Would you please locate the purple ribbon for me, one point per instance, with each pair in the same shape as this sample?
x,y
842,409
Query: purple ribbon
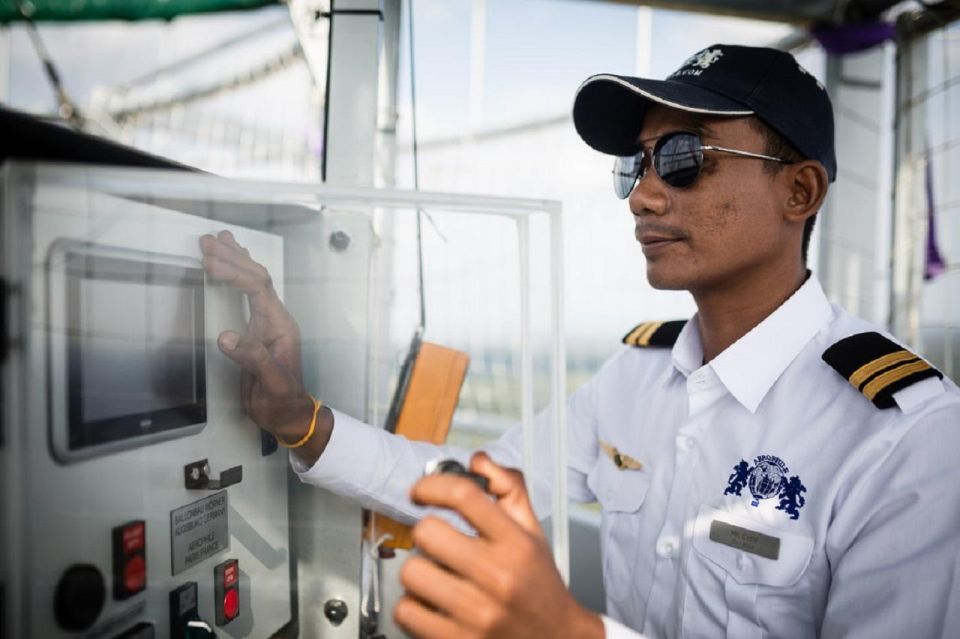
x,y
851,38
933,262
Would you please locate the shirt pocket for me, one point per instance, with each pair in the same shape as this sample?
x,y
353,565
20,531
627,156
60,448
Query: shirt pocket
x,y
745,574
621,494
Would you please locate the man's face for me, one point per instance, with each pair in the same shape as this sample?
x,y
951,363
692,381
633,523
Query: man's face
x,y
724,229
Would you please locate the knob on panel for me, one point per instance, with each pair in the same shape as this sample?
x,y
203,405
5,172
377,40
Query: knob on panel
x,y
79,599
335,610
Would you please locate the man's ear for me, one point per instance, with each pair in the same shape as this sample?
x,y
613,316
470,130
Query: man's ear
x,y
807,184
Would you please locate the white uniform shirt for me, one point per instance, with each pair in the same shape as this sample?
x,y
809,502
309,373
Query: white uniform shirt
x,y
869,548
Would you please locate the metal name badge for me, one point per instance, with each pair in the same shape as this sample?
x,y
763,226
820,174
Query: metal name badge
x,y
745,539
198,531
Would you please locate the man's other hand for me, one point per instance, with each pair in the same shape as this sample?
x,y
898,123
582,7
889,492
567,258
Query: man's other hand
x,y
502,583
268,350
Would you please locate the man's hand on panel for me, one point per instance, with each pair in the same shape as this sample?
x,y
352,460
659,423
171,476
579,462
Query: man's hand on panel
x,y
268,351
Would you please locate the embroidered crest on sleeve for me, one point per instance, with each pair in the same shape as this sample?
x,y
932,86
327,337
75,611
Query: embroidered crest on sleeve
x,y
877,366
650,334
766,479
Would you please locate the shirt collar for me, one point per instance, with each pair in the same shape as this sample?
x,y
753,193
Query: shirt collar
x,y
749,367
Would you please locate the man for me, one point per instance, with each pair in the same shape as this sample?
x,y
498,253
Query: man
x,y
774,466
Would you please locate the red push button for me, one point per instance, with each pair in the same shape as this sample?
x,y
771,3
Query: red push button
x,y
129,559
231,604
135,574
226,579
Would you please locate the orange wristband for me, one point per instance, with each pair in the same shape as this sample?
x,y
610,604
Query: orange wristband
x,y
317,405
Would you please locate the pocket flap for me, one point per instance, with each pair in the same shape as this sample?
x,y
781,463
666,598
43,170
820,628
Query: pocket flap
x,y
792,557
618,490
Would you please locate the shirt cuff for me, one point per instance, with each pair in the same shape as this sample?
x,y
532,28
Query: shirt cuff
x,y
616,630
339,459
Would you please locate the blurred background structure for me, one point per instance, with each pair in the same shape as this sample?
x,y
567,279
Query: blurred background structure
x,y
233,93
240,88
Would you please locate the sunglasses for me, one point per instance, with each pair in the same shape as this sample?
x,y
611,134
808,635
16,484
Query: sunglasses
x,y
676,157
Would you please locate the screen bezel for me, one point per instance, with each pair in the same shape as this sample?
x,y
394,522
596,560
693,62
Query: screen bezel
x,y
72,438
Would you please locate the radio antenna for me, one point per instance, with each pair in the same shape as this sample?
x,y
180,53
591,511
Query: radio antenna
x,y
416,168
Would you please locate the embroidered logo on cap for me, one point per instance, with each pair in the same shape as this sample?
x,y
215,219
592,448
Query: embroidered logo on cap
x,y
698,62
705,58
767,478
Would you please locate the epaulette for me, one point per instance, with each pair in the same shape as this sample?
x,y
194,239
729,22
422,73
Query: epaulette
x,y
654,334
877,366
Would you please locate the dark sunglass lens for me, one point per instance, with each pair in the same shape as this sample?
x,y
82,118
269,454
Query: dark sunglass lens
x,y
626,170
677,159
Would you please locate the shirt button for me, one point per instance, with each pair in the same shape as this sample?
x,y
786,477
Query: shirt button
x,y
741,561
686,443
667,547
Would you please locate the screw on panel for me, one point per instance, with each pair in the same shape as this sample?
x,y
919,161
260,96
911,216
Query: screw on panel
x,y
335,610
339,241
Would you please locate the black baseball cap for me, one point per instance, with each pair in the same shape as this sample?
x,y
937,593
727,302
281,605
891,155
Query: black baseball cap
x,y
723,80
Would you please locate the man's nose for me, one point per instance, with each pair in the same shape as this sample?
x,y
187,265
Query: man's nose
x,y
649,195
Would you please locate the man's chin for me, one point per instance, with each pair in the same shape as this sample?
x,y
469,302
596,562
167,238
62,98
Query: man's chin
x,y
663,281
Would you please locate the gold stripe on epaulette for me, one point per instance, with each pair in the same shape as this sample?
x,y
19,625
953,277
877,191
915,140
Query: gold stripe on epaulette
x,y
895,375
644,338
632,337
863,373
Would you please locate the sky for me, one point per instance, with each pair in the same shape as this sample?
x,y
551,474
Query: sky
x,y
537,52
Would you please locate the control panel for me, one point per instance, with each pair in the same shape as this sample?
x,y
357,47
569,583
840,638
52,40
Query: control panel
x,y
139,501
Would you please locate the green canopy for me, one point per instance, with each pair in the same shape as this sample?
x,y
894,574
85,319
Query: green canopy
x,y
79,10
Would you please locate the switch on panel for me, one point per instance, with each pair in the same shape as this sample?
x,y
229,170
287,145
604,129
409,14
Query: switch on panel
x,y
268,443
142,630
185,621
226,579
129,559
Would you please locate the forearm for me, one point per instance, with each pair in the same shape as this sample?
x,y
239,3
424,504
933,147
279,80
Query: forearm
x,y
369,465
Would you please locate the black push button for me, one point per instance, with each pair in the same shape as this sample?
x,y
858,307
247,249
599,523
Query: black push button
x,y
79,599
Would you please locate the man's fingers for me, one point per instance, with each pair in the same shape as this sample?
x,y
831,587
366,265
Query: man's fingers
x,y
227,238
440,589
507,485
247,279
465,497
422,622
462,554
223,244
254,357
224,248
225,260
503,481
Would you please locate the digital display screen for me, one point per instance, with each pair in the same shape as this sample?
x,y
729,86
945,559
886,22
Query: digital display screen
x,y
136,348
